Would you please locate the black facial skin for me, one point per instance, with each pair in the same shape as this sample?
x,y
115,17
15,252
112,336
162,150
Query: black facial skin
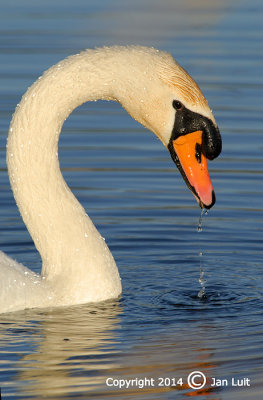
x,y
187,121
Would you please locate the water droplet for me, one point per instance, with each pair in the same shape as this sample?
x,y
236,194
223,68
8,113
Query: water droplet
x,y
199,226
202,281
202,293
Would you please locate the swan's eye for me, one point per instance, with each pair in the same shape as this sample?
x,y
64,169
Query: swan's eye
x,y
177,105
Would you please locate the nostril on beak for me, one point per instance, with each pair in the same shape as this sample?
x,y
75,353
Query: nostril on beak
x,y
198,152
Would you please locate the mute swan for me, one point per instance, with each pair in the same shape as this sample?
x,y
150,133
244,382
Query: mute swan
x,y
77,266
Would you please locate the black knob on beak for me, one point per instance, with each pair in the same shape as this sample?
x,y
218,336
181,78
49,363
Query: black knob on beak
x,y
212,143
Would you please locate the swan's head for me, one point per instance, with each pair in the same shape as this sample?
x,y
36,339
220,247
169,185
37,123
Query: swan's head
x,y
195,138
171,104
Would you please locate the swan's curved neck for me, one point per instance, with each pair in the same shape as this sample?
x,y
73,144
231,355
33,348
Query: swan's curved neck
x,y
67,240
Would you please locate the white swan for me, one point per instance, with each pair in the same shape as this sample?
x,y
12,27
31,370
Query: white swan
x,y
77,264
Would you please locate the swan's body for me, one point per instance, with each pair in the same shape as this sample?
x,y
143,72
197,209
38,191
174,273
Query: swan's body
x,y
77,264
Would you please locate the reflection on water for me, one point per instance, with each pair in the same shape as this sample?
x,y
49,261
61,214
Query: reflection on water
x,y
159,328
76,351
66,347
81,347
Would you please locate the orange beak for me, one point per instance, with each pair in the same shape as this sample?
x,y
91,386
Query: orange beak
x,y
193,166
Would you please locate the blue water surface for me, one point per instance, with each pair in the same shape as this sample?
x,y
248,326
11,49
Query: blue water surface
x,y
126,181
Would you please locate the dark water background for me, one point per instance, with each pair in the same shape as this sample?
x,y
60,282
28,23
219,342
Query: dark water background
x,y
126,181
